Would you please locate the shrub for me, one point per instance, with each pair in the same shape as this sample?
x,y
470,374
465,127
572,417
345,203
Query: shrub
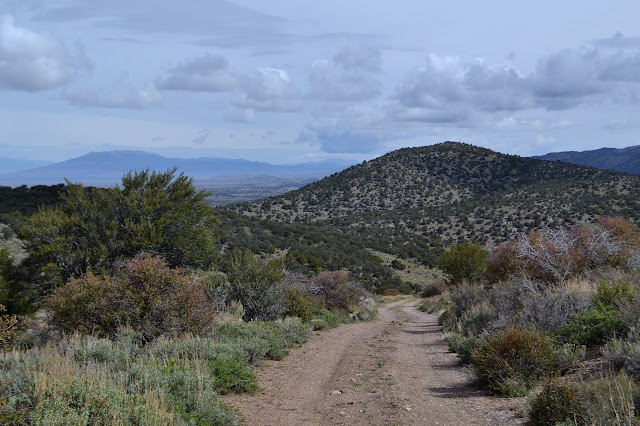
x,y
463,346
465,261
568,356
391,292
548,308
396,264
147,296
336,291
231,375
603,401
623,354
512,361
301,304
592,327
435,288
257,285
556,403
318,324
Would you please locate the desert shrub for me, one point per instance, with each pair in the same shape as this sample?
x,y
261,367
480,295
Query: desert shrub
x,y
465,261
592,327
435,304
231,375
147,295
612,293
462,345
435,288
397,264
334,289
512,361
391,292
556,403
548,308
318,324
92,228
623,354
568,356
301,304
257,285
503,263
330,319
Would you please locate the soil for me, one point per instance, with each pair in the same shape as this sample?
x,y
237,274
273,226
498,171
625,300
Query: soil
x,y
395,370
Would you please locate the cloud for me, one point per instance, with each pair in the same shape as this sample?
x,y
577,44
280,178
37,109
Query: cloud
x,y
339,137
618,41
208,73
359,57
201,137
239,115
122,95
453,89
31,61
270,89
614,125
327,82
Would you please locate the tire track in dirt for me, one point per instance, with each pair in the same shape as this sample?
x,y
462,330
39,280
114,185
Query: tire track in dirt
x,y
394,370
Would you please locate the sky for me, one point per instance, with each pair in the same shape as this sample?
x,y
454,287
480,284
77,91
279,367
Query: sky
x,y
290,81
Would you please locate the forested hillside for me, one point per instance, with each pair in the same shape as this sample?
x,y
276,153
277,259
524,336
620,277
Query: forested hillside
x,y
452,192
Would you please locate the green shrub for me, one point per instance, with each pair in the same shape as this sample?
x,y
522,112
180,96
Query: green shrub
x,y
556,403
318,324
623,354
568,356
301,304
462,345
330,319
232,376
512,361
611,293
604,401
593,327
397,264
464,261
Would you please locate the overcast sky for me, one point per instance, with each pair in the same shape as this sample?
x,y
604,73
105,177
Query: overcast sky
x,y
288,81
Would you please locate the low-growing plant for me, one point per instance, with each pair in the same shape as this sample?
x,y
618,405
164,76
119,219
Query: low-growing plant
x,y
301,304
318,324
231,375
512,361
623,354
568,356
555,404
593,327
609,400
463,346
434,288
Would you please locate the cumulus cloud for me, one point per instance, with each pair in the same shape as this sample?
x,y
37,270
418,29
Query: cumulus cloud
x,y
123,94
208,73
357,130
328,83
270,89
359,57
31,61
452,89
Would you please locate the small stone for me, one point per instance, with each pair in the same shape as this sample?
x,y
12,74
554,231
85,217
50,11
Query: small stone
x,y
336,392
342,413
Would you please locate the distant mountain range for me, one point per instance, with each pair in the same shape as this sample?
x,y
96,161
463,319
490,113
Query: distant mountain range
x,y
620,160
8,165
106,168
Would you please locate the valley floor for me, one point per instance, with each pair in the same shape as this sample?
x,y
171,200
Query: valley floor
x,y
394,370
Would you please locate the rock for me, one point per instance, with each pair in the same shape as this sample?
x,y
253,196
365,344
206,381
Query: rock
x,y
336,392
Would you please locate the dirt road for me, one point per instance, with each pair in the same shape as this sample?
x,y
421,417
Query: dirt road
x,y
392,371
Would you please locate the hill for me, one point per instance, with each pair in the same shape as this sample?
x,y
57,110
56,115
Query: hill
x,y
620,160
106,168
411,201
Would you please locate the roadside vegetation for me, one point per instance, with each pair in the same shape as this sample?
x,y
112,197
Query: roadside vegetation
x,y
553,314
125,310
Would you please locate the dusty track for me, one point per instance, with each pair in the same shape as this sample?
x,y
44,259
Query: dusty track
x,y
395,370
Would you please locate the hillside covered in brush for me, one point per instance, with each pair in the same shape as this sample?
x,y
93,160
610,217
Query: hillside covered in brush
x,y
451,192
